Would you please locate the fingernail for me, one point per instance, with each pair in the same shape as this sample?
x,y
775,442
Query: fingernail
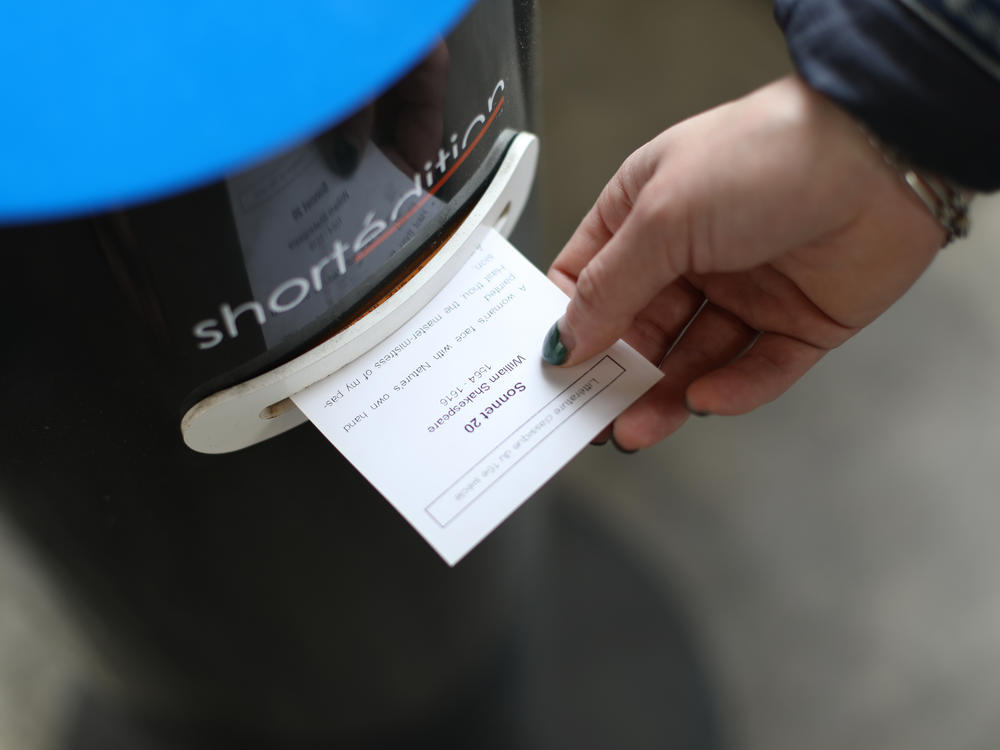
x,y
695,412
554,350
622,450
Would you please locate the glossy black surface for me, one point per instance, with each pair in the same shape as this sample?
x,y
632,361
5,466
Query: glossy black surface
x,y
245,273
269,593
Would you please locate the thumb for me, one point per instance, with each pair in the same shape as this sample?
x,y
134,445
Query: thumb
x,y
622,256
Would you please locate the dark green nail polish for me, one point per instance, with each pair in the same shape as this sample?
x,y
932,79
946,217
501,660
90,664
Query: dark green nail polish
x,y
622,450
553,350
695,412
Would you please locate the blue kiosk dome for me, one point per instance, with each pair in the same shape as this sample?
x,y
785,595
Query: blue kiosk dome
x,y
114,103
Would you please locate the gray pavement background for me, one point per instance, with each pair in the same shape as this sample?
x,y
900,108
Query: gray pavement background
x,y
835,550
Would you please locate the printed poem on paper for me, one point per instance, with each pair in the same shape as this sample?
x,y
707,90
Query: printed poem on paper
x,y
455,418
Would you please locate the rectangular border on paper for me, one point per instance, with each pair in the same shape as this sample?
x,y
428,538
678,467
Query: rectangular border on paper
x,y
444,511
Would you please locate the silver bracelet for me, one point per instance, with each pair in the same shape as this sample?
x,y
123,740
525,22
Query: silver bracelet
x,y
947,201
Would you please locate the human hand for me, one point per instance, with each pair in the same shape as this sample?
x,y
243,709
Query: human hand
x,y
767,230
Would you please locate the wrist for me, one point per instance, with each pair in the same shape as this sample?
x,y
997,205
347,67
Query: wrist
x,y
946,201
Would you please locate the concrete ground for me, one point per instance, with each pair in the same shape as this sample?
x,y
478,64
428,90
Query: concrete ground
x,y
834,552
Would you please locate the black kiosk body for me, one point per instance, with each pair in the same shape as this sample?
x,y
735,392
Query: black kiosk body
x,y
246,586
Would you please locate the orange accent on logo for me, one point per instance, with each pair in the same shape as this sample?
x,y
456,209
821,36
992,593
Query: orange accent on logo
x,y
433,189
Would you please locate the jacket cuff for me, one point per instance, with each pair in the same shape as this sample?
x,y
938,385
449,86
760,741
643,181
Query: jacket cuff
x,y
912,87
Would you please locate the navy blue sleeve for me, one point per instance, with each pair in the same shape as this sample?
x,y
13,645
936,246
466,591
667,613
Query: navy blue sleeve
x,y
923,75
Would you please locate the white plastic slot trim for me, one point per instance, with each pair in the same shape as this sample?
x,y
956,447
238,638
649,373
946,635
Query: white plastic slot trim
x,y
258,409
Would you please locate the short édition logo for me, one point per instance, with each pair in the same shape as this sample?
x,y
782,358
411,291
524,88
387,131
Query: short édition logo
x,y
342,255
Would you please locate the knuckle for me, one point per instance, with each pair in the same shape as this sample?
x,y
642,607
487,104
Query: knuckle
x,y
651,211
614,204
663,218
659,206
591,285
